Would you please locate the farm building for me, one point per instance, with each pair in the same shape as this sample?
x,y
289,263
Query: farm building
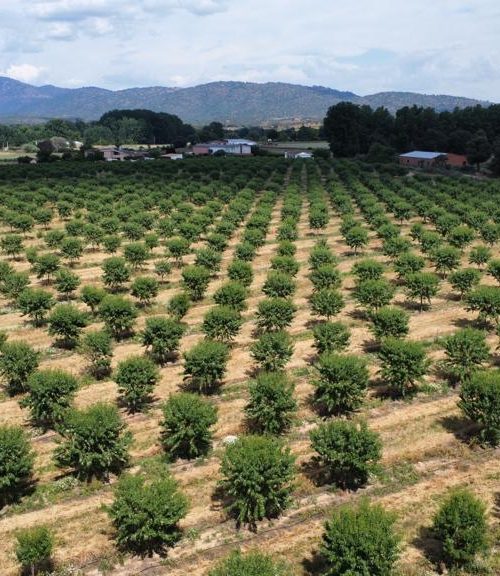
x,y
300,155
114,153
232,146
456,160
288,150
172,156
202,149
420,159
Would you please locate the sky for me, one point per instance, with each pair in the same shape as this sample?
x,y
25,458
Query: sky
x,y
365,46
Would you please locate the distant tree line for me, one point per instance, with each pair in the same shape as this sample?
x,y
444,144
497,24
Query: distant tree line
x,y
474,131
147,127
119,127
301,134
115,127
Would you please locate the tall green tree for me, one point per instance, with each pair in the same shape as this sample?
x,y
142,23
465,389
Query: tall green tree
x,y
478,149
186,425
161,337
51,392
257,474
360,540
347,451
271,405
480,401
345,129
136,377
146,514
18,360
342,383
460,525
94,442
34,547
251,563
404,364
466,351
16,463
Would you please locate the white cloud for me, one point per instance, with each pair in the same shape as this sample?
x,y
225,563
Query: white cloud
x,y
449,46
196,7
71,19
23,72
78,10
61,31
99,26
71,9
203,7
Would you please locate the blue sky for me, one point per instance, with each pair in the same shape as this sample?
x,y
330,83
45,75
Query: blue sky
x,y
367,46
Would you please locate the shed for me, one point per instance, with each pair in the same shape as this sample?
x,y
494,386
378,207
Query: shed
x,y
422,159
172,156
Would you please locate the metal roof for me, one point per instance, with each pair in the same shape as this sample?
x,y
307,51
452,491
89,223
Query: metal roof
x,y
240,141
423,155
228,142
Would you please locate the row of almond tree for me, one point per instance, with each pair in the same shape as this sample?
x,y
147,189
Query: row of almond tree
x,y
258,469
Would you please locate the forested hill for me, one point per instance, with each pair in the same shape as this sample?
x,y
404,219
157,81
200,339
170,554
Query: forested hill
x,y
228,102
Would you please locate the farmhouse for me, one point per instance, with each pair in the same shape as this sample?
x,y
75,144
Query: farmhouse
x,y
420,159
114,153
232,146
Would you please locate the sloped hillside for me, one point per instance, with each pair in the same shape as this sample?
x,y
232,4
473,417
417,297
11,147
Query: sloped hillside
x,y
229,102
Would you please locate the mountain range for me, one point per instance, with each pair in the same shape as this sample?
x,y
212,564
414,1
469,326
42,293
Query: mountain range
x,y
227,102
